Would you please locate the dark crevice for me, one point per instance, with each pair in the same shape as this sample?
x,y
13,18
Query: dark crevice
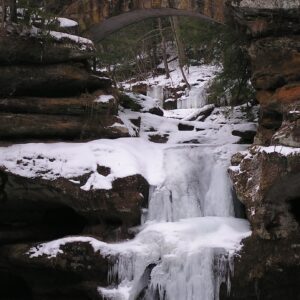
x,y
37,225
239,207
14,287
295,208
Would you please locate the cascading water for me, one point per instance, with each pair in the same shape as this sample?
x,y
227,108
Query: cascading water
x,y
184,249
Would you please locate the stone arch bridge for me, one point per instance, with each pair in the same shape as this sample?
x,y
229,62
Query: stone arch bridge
x,y
99,18
103,17
273,27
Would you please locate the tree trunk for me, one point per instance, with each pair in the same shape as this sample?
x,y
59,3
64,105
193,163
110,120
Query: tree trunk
x,y
3,14
13,11
164,49
180,49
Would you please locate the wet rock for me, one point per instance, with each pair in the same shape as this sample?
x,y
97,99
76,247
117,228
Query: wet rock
x,y
170,104
185,127
158,138
247,136
156,111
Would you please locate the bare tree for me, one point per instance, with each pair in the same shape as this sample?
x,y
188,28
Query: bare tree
x,y
13,10
164,48
180,49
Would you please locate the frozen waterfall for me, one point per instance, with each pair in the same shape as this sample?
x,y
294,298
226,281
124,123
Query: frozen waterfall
x,y
196,98
196,185
184,249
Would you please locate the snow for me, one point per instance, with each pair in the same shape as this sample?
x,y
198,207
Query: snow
x,y
145,102
104,98
283,150
66,23
188,233
125,157
199,77
197,112
183,252
219,232
84,42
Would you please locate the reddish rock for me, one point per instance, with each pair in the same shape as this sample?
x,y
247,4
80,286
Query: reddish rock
x,y
275,62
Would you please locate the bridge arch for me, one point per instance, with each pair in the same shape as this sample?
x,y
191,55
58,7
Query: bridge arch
x,y
100,18
113,24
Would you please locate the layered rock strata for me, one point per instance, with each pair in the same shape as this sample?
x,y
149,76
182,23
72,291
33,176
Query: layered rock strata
x,y
267,177
48,91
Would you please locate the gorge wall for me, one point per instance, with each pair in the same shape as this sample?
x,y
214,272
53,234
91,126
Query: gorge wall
x,y
267,177
48,93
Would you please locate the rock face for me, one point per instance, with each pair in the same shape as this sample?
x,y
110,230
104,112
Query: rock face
x,y
74,274
267,176
48,91
36,210
16,49
266,270
275,58
268,185
30,204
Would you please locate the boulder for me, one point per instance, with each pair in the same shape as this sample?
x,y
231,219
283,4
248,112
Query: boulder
x,y
156,111
32,202
246,136
185,127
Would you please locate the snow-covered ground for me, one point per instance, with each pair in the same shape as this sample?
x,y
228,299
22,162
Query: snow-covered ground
x,y
189,227
199,78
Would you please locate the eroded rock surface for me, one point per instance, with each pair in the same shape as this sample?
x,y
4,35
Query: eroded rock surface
x,y
48,91
30,204
267,182
266,178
